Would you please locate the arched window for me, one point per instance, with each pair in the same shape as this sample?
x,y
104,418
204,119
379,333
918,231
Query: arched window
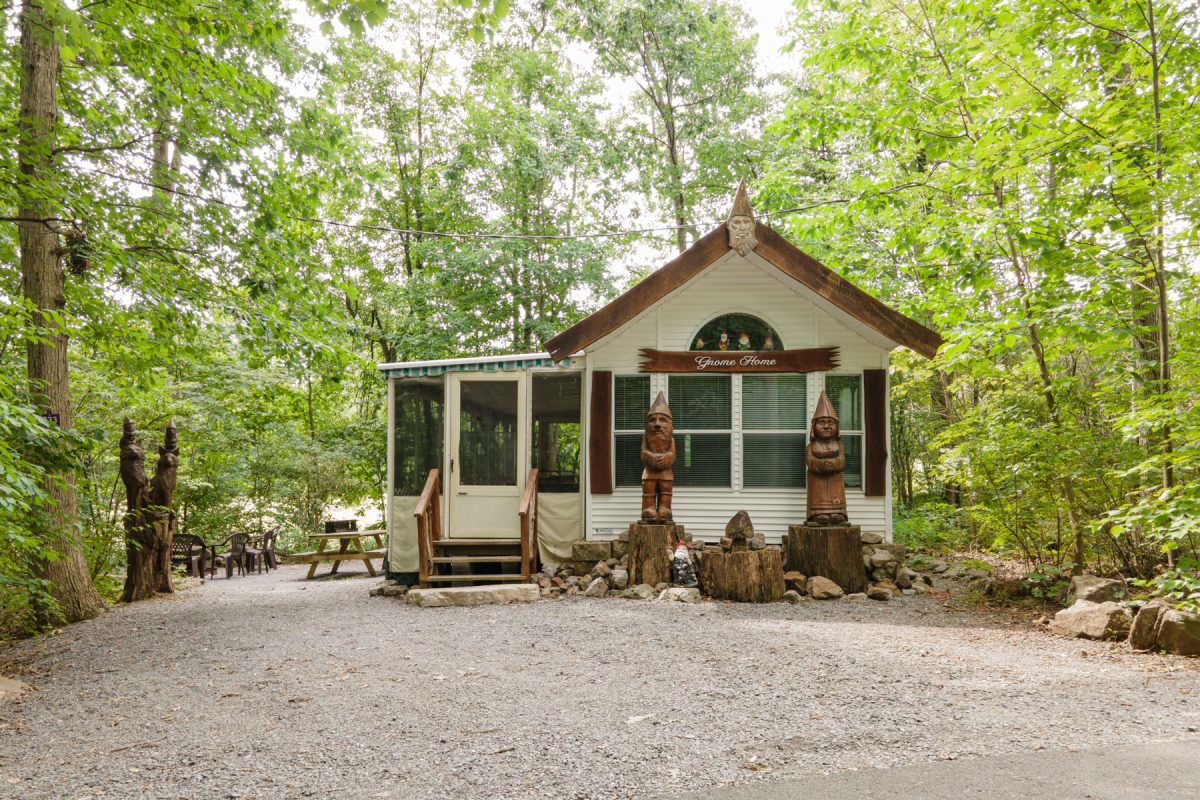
x,y
737,332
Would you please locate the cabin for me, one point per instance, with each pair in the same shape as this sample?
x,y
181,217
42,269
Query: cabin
x,y
506,461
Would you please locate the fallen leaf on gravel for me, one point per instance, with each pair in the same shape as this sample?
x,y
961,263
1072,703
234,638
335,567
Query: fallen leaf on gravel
x,y
299,699
231,694
637,719
754,766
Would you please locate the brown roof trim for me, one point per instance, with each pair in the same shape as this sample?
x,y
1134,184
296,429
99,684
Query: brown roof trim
x,y
642,295
797,264
784,255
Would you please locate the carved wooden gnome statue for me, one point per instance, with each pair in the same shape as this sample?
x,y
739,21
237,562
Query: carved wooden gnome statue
x,y
658,456
826,463
741,223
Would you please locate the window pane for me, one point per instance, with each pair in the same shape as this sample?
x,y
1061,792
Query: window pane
x,y
845,392
701,402
631,396
487,439
556,431
852,444
774,401
702,459
420,405
742,332
774,459
627,456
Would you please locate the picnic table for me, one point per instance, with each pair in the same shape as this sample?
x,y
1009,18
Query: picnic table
x,y
350,548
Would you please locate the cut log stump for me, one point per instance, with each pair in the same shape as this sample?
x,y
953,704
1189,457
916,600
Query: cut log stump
x,y
744,576
650,552
834,553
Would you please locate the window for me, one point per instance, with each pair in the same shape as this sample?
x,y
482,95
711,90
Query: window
x,y
845,392
773,430
631,401
420,406
737,332
702,406
487,433
556,431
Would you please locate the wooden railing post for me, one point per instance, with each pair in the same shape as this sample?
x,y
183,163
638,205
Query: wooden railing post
x,y
429,526
528,527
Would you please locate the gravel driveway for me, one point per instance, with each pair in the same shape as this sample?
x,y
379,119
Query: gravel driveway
x,y
275,687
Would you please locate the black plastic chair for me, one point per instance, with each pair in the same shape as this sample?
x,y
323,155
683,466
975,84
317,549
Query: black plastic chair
x,y
189,549
236,554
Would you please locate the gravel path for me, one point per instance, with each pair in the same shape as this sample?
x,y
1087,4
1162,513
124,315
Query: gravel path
x,y
275,687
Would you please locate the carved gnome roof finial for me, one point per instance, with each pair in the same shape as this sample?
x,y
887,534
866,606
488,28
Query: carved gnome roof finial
x,y
660,406
741,222
825,408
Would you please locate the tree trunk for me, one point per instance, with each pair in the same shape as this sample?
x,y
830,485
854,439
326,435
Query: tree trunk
x,y
650,553
834,553
744,576
149,521
42,283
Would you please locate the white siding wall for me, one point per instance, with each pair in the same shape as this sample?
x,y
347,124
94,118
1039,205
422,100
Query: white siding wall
x,y
736,284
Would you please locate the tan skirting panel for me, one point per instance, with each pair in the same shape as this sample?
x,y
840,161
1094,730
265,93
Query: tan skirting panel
x,y
560,524
402,534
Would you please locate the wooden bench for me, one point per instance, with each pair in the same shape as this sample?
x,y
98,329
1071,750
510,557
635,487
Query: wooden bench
x,y
308,558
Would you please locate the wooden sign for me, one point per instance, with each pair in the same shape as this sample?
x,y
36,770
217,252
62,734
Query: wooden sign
x,y
813,359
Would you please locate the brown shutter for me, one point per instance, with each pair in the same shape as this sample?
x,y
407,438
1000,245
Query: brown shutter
x,y
600,433
875,456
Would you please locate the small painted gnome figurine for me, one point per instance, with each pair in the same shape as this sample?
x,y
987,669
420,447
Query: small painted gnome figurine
x,y
723,342
658,454
743,341
826,463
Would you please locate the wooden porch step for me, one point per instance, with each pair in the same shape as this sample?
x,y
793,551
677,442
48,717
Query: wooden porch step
x,y
478,542
475,559
484,578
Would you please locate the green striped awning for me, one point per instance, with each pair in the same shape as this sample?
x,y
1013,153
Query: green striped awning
x,y
473,366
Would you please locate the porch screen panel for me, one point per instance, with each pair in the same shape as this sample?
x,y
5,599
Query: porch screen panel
x,y
631,401
773,430
487,443
702,407
845,392
556,431
419,425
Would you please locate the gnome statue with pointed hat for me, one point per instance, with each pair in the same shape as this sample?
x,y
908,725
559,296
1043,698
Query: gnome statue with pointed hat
x,y
658,455
826,461
741,223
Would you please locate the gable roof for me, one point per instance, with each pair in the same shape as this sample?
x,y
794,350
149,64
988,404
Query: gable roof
x,y
780,253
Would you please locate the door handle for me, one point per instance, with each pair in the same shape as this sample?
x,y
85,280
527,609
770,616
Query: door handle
x,y
452,466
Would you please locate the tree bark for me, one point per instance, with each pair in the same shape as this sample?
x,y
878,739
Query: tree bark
x,y
744,576
834,553
149,521
42,283
650,553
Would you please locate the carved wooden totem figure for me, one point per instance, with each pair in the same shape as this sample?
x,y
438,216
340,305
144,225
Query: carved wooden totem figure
x,y
826,462
149,521
658,454
741,224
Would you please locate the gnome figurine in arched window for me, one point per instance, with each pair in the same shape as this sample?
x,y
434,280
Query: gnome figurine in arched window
x,y
658,454
826,463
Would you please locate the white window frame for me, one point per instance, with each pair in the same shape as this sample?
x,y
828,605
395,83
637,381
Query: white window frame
x,y
625,431
760,431
842,431
735,419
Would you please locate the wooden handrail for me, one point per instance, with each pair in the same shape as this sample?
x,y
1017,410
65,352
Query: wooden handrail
x,y
429,525
526,510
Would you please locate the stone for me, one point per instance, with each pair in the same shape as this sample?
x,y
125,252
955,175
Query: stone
x,y
619,578
856,597
601,570
475,595
1179,632
822,588
1094,589
658,587
870,537
882,558
395,590
643,591
757,542
582,567
792,596
559,583
620,548
898,550
623,536
1144,631
680,594
726,543
795,581
597,588
591,552
573,580
550,570
1088,620
545,582
919,587
739,525
612,562
880,593
906,577
938,566
891,587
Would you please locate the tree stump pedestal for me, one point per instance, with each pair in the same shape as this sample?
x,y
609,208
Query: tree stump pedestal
x,y
650,546
834,553
744,576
